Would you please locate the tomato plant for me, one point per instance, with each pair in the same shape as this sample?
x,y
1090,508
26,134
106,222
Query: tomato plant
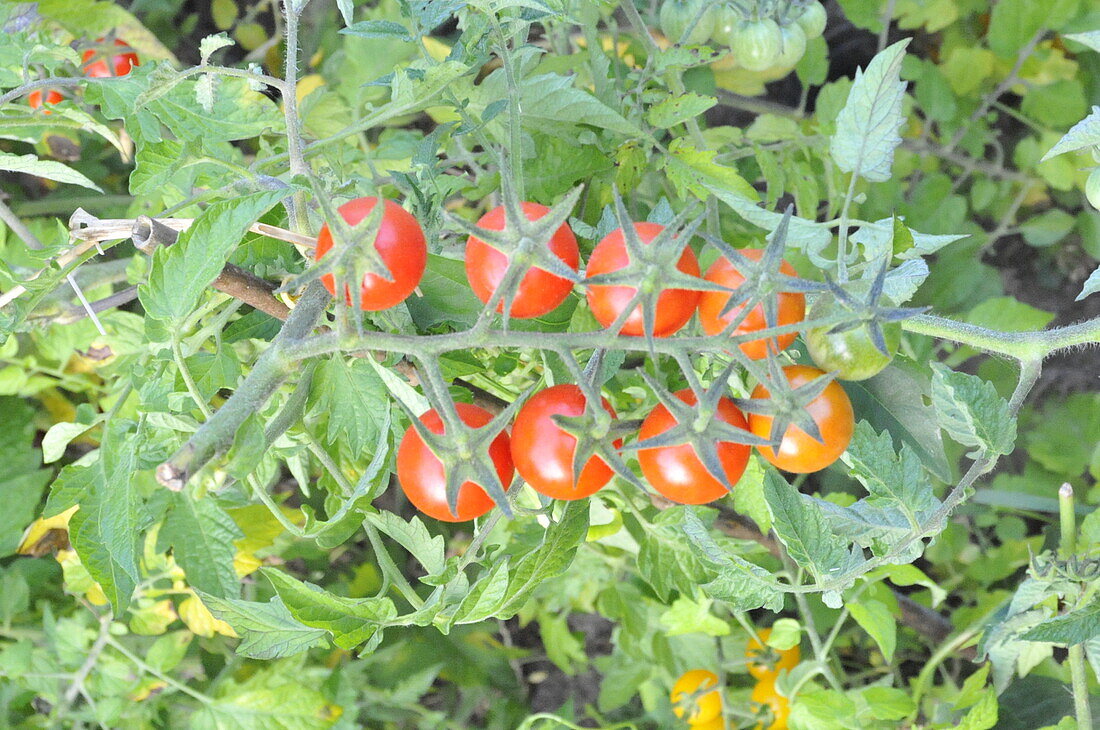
x,y
422,477
776,707
790,308
400,245
544,453
609,303
540,291
696,696
831,412
35,99
676,471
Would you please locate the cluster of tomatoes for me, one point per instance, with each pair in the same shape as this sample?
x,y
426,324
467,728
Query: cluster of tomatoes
x,y
540,449
96,64
766,44
696,696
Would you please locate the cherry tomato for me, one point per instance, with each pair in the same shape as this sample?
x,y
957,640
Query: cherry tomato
x,y
726,21
421,476
1092,188
757,43
791,308
34,99
765,663
539,291
120,64
792,47
764,693
851,354
674,306
543,452
400,242
676,471
718,723
697,696
813,19
832,412
676,15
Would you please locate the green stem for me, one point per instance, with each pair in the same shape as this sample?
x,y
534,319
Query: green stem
x,y
137,662
1077,667
188,380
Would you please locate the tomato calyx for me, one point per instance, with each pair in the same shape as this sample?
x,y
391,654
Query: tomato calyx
x,y
464,452
527,245
787,406
698,424
353,254
875,312
598,434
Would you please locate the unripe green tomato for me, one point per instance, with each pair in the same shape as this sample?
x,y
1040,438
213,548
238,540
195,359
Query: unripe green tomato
x,y
757,44
812,20
1092,188
792,47
851,354
676,15
726,21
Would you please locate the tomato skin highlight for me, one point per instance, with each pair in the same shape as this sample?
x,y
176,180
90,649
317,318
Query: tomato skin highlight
x,y
120,64
674,306
800,453
787,658
543,452
400,243
34,99
757,44
791,310
676,471
764,693
705,705
540,292
421,476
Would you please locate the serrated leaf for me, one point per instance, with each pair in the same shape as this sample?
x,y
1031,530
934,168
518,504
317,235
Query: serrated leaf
x,y
48,169
351,621
352,399
1085,133
1091,285
201,534
267,630
678,109
1075,627
801,526
741,584
181,272
695,172
428,550
867,127
551,558
22,478
378,29
875,618
893,480
971,411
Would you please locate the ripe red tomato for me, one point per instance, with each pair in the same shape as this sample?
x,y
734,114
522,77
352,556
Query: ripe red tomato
x,y
400,242
764,693
764,662
791,309
120,64
421,475
676,471
539,291
34,99
696,695
832,412
674,306
543,452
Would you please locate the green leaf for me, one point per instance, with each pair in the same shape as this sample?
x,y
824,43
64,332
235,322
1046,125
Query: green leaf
x,y
48,169
972,412
428,550
687,616
350,621
983,715
694,171
802,527
1075,627
378,29
551,558
893,481
678,109
267,630
888,703
201,534
1085,133
741,584
893,402
1091,285
1008,315
669,563
348,394
878,622
447,295
22,479
181,272
105,530
1012,24
867,127
277,697
748,497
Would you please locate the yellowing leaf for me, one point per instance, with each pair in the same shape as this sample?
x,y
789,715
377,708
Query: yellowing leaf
x,y
199,620
38,533
152,618
146,689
